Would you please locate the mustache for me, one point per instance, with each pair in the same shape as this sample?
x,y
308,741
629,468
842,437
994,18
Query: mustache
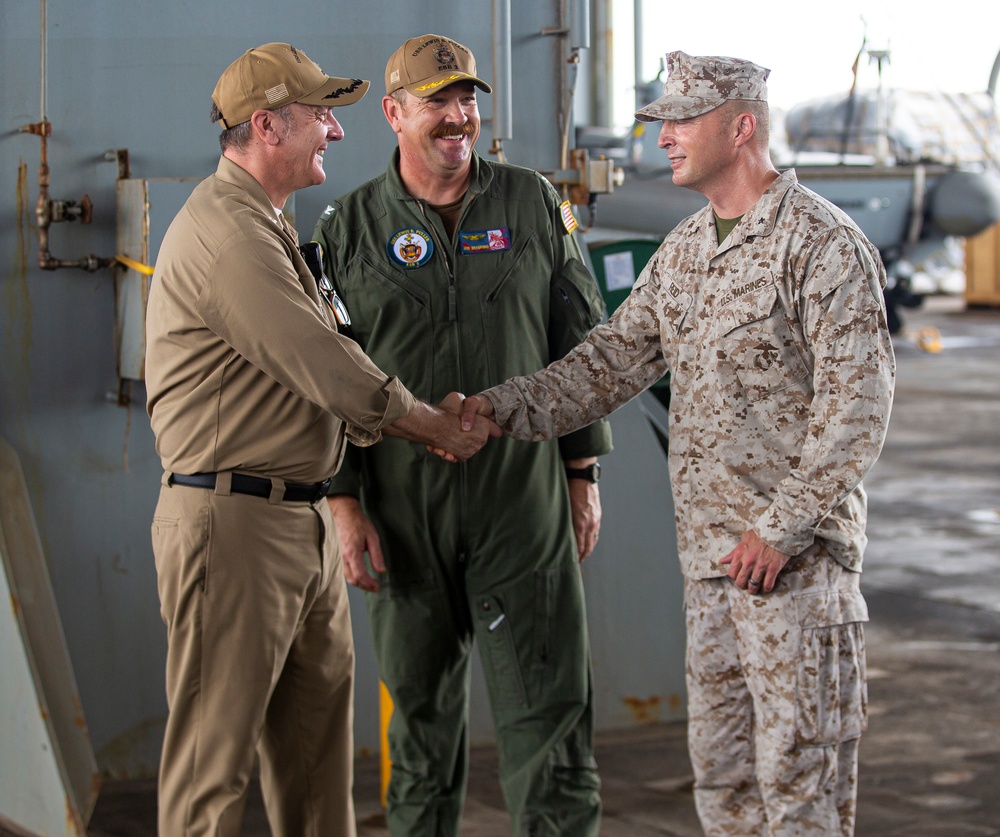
x,y
453,130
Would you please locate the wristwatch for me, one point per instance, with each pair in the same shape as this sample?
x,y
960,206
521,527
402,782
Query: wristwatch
x,y
592,473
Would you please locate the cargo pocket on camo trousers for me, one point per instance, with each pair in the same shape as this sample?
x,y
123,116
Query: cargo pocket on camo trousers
x,y
831,700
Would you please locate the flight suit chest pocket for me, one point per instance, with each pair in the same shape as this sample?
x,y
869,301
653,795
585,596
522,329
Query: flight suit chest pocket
x,y
757,340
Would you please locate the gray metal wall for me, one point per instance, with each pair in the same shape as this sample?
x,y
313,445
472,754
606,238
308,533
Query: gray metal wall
x,y
138,75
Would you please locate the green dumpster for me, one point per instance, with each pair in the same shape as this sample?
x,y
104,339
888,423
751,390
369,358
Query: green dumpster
x,y
616,265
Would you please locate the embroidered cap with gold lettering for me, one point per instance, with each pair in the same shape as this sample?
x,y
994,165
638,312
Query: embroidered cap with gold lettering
x,y
698,84
429,63
274,75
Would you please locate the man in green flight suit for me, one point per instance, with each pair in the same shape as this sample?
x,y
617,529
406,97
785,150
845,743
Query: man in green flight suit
x,y
458,273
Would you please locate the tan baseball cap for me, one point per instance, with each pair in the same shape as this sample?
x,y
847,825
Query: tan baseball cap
x,y
429,63
274,75
698,84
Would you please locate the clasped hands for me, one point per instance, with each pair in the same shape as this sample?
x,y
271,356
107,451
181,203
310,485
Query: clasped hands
x,y
475,426
754,565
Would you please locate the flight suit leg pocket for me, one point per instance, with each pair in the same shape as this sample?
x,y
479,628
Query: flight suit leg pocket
x,y
533,639
560,660
831,687
495,633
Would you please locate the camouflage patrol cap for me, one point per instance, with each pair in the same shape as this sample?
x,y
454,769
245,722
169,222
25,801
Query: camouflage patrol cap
x,y
698,84
430,63
274,75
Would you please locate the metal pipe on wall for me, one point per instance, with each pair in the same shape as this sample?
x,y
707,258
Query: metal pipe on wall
x,y
601,63
570,69
43,52
638,53
48,211
503,119
579,25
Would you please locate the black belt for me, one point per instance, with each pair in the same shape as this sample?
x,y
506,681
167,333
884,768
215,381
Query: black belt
x,y
257,486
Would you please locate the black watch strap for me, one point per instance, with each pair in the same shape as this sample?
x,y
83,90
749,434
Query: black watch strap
x,y
592,473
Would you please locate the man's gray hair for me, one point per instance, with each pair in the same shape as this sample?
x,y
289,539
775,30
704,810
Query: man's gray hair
x,y
238,137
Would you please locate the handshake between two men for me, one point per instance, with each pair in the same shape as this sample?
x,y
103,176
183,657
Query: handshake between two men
x,y
475,418
455,430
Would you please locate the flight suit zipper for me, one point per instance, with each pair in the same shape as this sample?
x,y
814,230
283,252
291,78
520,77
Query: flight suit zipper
x,y
449,254
452,290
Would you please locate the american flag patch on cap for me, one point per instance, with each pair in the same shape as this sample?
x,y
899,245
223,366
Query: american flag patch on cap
x,y
276,94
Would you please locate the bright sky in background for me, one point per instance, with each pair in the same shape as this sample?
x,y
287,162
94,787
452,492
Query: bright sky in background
x,y
945,46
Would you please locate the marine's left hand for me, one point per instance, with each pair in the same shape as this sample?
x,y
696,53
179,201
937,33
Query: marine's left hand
x,y
755,561
585,503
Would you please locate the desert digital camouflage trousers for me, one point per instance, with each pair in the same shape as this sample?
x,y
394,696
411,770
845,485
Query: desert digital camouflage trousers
x,y
777,700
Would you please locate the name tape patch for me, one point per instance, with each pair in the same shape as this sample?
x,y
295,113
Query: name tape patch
x,y
484,241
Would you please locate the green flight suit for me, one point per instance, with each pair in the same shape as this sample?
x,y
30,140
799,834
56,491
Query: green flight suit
x,y
483,550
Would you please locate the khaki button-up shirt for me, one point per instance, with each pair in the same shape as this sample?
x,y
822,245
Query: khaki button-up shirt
x,y
245,370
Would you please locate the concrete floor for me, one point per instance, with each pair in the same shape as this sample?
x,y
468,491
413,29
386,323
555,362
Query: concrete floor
x,y
930,762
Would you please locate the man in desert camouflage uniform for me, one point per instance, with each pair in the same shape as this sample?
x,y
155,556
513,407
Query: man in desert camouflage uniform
x,y
766,309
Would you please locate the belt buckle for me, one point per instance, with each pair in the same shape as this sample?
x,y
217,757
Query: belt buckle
x,y
321,489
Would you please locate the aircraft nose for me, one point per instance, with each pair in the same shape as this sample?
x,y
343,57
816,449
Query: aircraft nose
x,y
964,203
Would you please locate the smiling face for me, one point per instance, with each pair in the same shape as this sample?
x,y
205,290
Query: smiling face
x,y
437,133
309,129
700,149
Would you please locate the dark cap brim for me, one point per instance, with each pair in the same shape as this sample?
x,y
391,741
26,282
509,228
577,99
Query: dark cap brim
x,y
336,92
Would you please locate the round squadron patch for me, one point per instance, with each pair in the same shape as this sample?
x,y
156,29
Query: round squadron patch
x,y
410,247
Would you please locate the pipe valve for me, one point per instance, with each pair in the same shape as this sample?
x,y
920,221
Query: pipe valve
x,y
82,210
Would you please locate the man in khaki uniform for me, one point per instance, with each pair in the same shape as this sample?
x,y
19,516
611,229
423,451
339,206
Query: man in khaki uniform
x,y
766,309
251,394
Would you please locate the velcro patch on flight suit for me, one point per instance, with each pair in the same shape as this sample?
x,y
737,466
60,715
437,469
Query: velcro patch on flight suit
x,y
484,241
568,218
410,247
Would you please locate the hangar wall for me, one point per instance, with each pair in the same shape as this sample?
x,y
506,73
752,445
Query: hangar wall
x,y
138,76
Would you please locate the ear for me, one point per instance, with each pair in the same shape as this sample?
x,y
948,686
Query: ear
x,y
393,111
746,126
268,126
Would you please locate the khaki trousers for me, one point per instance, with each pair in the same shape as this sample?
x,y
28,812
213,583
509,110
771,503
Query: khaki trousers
x,y
260,662
777,701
